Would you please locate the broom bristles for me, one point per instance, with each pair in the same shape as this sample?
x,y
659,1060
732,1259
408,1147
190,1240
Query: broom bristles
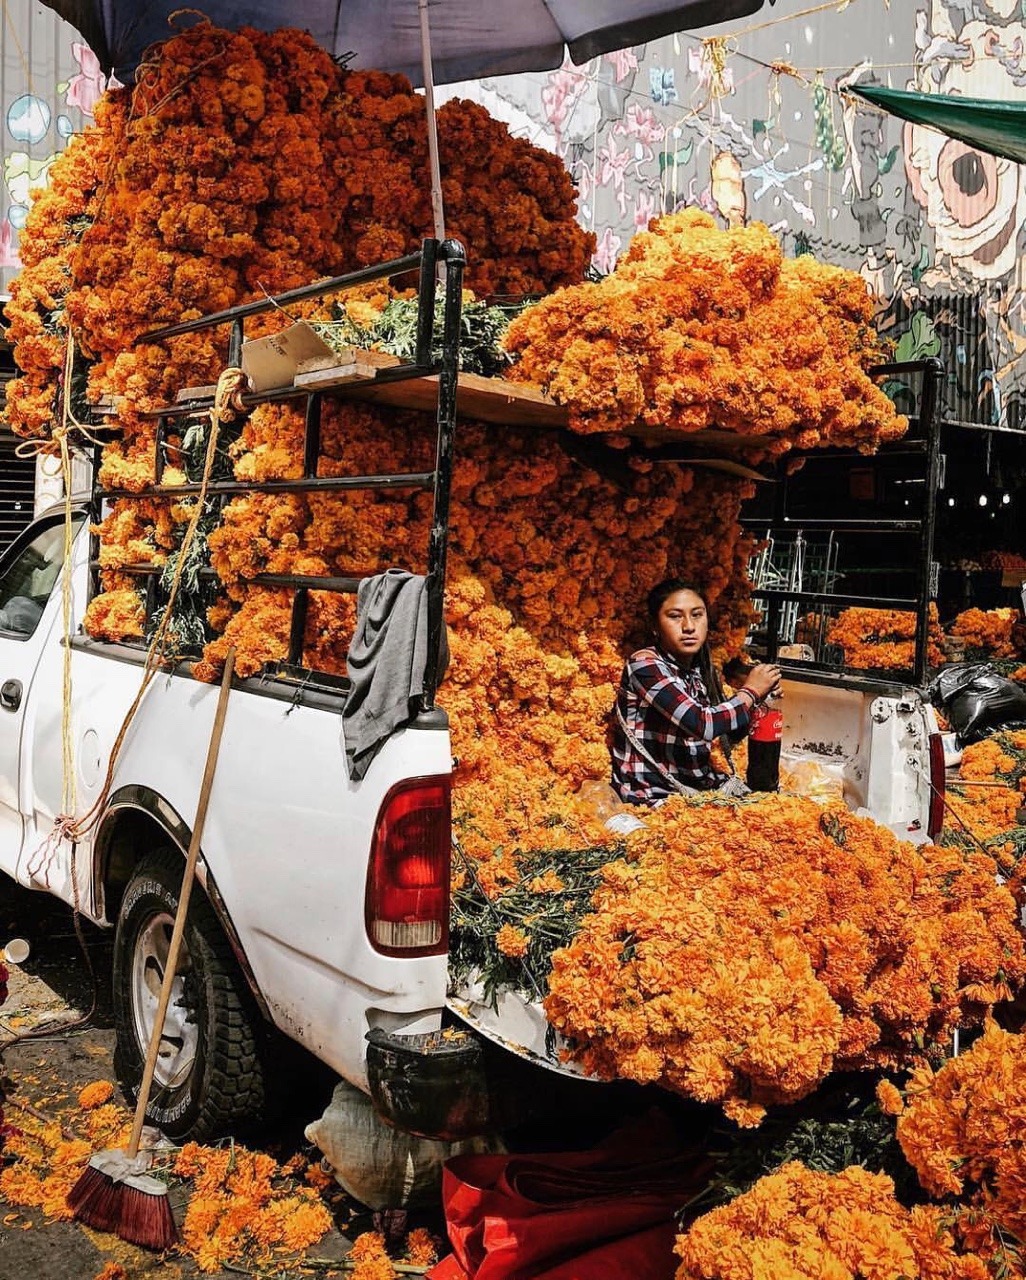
x,y
111,1196
92,1199
145,1215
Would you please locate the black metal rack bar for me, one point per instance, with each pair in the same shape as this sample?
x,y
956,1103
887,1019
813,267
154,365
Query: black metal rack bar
x,y
308,582
840,526
304,484
333,284
829,597
344,585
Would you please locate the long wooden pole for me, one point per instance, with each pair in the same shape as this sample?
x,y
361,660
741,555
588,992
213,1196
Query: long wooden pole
x,y
188,876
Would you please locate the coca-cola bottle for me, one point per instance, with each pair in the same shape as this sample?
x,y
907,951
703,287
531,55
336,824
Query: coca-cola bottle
x,y
764,746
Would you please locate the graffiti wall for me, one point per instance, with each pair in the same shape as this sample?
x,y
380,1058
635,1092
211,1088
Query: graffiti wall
x,y
747,122
753,125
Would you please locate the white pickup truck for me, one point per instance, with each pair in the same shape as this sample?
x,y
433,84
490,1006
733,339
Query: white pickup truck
x,y
324,904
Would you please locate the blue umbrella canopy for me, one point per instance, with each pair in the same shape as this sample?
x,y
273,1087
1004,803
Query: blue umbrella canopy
x,y
469,38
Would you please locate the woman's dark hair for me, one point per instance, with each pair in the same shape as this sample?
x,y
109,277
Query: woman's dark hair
x,y
655,600
662,591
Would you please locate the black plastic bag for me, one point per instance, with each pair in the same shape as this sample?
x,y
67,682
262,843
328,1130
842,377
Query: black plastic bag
x,y
978,701
954,677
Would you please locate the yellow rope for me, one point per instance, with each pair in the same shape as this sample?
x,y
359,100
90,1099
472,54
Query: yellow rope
x,y
836,5
25,64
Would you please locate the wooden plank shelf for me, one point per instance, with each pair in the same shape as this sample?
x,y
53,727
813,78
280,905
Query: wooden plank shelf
x,y
507,404
493,400
523,404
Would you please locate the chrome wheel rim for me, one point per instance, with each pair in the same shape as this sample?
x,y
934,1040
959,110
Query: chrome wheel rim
x,y
179,1039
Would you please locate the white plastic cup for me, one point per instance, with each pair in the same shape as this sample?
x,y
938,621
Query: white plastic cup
x,y
17,951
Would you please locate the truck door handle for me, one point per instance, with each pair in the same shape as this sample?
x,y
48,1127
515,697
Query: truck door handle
x,y
10,695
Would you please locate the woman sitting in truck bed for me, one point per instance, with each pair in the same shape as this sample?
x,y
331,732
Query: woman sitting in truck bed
x,y
670,707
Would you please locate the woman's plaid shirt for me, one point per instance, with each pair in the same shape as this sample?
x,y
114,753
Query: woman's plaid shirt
x,y
667,709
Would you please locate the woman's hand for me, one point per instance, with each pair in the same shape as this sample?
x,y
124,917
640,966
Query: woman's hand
x,y
763,678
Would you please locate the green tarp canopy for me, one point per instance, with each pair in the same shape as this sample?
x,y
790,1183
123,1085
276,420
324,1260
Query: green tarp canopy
x,y
996,127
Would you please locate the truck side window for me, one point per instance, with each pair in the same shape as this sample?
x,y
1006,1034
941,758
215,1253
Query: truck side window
x,y
28,579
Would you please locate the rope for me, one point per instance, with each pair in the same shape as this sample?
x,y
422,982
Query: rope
x,y
25,64
836,5
227,402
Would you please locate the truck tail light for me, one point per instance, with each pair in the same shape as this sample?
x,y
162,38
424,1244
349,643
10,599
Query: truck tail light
x,y
938,786
407,903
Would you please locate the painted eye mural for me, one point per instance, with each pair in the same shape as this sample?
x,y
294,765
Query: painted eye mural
x,y
974,202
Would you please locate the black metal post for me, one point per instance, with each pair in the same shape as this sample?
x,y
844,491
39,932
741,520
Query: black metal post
x,y
426,301
95,516
235,341
385,269
929,399
159,458
297,632
455,258
312,435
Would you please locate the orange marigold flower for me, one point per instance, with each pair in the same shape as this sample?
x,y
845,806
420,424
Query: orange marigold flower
x,y
112,1271
512,941
95,1094
890,1099
420,1248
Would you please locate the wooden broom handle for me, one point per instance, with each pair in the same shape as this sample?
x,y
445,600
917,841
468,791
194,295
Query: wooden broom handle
x,y
188,875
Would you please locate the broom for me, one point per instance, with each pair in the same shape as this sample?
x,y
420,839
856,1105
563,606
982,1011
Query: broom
x,y
114,1192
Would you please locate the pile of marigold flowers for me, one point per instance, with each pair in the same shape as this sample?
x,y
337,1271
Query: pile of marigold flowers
x,y
987,632
3,997
245,163
369,1258
798,1224
700,328
743,951
961,1127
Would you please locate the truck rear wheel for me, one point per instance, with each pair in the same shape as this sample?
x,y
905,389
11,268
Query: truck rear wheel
x,y
208,1077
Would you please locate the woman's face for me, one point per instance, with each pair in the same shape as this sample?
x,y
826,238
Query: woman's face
x,y
682,625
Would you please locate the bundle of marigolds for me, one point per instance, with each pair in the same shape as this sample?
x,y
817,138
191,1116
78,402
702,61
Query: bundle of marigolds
x,y
249,162
963,1130
741,952
701,328
986,802
987,632
797,1224
883,639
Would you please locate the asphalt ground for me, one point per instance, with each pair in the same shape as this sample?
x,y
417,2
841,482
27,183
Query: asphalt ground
x,y
60,995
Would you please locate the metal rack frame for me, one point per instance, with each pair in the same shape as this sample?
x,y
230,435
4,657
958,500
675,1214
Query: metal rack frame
x,y
932,371
432,255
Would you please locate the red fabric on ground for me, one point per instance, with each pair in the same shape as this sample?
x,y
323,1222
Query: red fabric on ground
x,y
605,1214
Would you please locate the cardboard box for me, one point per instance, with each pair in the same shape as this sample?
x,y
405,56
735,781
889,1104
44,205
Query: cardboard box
x,y
273,362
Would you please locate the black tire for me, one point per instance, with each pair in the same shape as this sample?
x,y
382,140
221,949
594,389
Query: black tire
x,y
209,1078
